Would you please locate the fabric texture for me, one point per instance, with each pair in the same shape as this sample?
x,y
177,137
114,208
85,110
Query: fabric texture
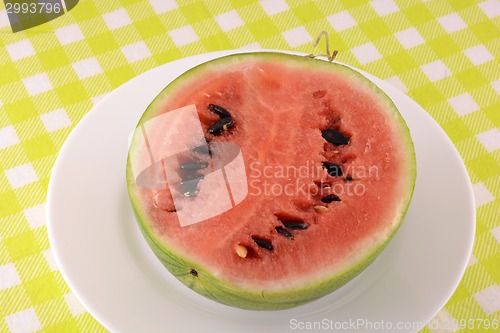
x,y
442,53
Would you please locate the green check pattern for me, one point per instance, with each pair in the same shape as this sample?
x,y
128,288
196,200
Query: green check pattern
x,y
442,53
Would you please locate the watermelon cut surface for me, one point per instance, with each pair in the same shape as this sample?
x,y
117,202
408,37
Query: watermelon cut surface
x,y
329,171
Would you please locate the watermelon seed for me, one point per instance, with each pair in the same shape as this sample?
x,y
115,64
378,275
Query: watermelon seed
x,y
348,179
241,250
319,94
333,169
169,208
203,149
193,272
155,201
193,165
330,198
263,243
335,137
296,225
291,222
190,188
221,125
191,176
320,209
284,232
219,110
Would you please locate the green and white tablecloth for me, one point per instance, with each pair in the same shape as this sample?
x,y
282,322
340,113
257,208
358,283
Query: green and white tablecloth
x,y
443,54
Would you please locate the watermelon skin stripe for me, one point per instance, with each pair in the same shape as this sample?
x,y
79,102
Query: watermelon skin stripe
x,y
229,294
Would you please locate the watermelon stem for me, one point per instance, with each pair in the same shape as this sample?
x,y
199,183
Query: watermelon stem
x,y
330,56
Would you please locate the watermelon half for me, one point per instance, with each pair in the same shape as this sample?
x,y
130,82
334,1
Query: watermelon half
x,y
279,179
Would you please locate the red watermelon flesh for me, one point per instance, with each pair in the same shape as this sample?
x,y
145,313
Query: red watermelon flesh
x,y
281,106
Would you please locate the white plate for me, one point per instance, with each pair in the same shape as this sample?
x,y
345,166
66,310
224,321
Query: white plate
x,y
112,271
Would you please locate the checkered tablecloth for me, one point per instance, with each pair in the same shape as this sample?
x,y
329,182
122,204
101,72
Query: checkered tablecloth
x,y
442,53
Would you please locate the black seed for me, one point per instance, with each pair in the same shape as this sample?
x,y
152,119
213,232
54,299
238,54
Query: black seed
x,y
296,225
189,184
203,149
193,272
189,188
219,110
329,198
333,169
193,165
348,179
263,243
335,137
284,232
221,125
192,175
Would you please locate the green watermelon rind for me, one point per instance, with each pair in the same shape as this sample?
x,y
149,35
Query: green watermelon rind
x,y
223,292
